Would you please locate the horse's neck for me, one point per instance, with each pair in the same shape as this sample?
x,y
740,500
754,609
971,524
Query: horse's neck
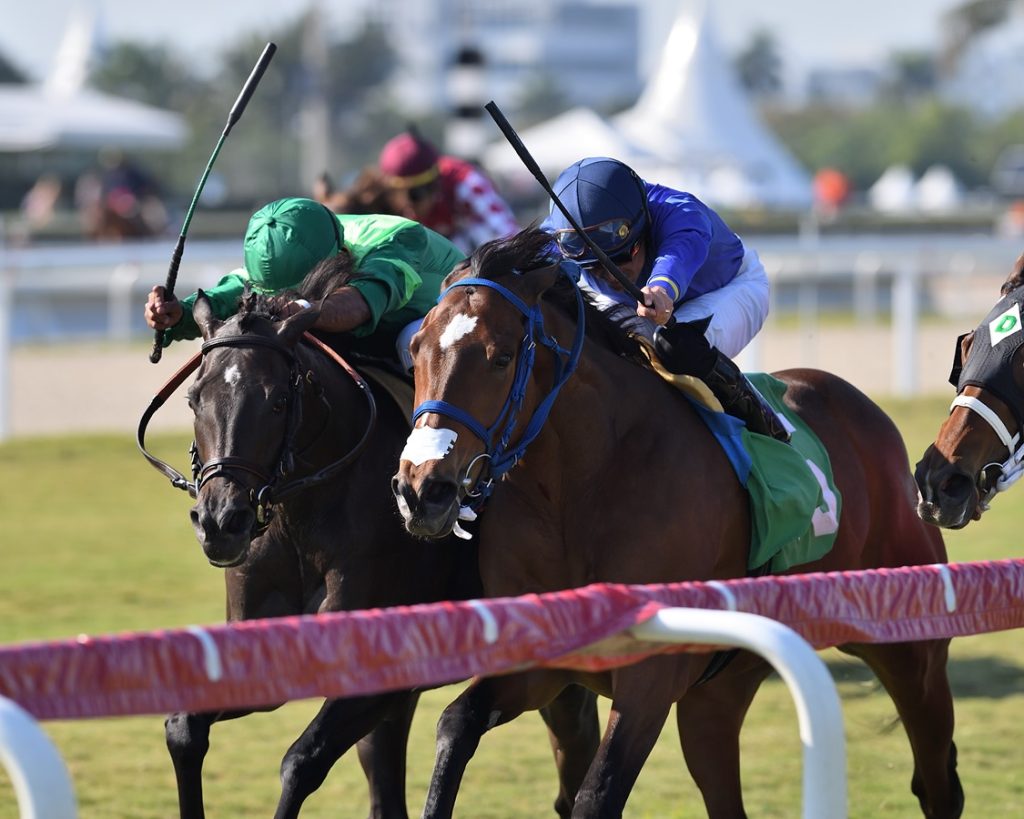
x,y
348,413
620,404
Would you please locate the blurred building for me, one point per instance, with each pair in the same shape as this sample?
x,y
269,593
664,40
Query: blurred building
x,y
982,57
588,53
693,128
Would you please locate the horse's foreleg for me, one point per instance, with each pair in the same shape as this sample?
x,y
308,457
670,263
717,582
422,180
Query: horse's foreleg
x,y
485,704
575,733
709,718
338,725
382,754
188,740
915,676
641,698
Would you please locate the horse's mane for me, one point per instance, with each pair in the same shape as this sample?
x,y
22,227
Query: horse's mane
x,y
1016,278
529,250
253,307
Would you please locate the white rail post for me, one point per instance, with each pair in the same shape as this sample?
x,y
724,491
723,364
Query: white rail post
x,y
905,300
41,782
814,693
119,301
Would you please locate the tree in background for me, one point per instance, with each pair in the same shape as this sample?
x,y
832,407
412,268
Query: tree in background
x,y
264,163
759,66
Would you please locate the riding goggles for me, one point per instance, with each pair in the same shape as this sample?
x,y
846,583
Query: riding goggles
x,y
610,236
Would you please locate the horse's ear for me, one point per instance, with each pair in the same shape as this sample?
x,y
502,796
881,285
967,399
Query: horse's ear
x,y
291,329
460,271
202,312
1016,278
536,282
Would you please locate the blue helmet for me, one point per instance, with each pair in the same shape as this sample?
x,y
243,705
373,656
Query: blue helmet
x,y
607,199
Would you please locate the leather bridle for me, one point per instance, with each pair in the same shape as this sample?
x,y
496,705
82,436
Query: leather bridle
x,y
272,491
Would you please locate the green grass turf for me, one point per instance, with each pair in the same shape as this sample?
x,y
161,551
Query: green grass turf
x,y
95,541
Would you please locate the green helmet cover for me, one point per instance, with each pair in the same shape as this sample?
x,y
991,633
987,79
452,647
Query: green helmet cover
x,y
286,239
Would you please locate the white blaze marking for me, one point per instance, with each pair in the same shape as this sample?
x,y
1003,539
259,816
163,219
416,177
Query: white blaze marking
x,y
428,444
232,375
460,326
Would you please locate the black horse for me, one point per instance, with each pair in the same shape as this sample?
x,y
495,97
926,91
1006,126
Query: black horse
x,y
292,463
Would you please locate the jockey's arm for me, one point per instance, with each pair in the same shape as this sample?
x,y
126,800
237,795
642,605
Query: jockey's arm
x,y
343,310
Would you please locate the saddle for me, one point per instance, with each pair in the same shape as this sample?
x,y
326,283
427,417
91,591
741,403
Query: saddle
x,y
794,503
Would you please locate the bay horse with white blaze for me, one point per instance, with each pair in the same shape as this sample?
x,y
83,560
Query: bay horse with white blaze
x,y
978,450
292,463
623,482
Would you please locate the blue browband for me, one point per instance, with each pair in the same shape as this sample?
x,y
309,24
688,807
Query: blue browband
x,y
496,437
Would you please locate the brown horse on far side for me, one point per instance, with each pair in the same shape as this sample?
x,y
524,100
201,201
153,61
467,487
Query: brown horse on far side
x,y
977,451
624,483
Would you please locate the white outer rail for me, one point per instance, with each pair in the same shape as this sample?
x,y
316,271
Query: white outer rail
x,y
814,693
41,782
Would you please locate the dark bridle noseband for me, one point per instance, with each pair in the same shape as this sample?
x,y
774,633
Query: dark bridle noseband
x,y
226,466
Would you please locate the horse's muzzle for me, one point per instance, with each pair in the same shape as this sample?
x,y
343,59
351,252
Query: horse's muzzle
x,y
947,495
431,512
223,523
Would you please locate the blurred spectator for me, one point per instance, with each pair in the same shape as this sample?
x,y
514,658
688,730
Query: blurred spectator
x,y
831,191
447,194
40,201
121,202
1011,222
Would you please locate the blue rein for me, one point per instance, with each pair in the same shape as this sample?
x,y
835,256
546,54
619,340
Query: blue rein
x,y
496,437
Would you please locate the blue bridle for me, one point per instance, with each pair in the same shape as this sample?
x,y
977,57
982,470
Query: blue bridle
x,y
496,437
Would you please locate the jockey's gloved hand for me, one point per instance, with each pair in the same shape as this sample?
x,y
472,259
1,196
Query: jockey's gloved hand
x,y
684,349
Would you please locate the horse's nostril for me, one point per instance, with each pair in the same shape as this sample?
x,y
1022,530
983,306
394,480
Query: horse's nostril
x,y
438,492
238,522
956,488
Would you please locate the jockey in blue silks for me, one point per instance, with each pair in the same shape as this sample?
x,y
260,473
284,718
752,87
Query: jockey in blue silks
x,y
688,264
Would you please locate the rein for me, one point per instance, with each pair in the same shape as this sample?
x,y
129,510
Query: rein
x,y
270,493
498,453
1012,469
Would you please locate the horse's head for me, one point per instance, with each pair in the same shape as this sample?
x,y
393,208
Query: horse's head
x,y
977,451
480,398
245,402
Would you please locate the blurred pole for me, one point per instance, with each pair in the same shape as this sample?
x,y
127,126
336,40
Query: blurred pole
x,y
6,334
314,117
465,133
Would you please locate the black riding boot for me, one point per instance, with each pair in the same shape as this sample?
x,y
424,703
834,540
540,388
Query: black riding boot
x,y
684,349
741,400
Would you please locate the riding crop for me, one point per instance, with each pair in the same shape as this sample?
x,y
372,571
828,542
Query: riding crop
x,y
233,116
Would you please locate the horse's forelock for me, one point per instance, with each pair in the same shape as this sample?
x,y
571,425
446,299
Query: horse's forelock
x,y
530,249
524,251
1016,278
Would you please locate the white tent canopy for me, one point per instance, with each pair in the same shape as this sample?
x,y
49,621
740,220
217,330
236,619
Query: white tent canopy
x,y
692,129
893,191
32,118
63,113
696,120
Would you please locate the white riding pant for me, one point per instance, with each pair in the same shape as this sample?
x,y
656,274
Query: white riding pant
x,y
737,309
402,343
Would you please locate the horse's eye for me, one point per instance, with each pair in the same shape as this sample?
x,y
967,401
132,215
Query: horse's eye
x,y
280,404
503,360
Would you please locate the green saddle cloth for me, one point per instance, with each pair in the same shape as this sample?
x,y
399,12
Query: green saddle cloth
x,y
794,503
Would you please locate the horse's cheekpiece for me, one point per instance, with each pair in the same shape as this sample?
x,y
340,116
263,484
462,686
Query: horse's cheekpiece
x,y
997,340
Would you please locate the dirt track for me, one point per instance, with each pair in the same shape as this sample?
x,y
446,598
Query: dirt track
x,y
98,387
